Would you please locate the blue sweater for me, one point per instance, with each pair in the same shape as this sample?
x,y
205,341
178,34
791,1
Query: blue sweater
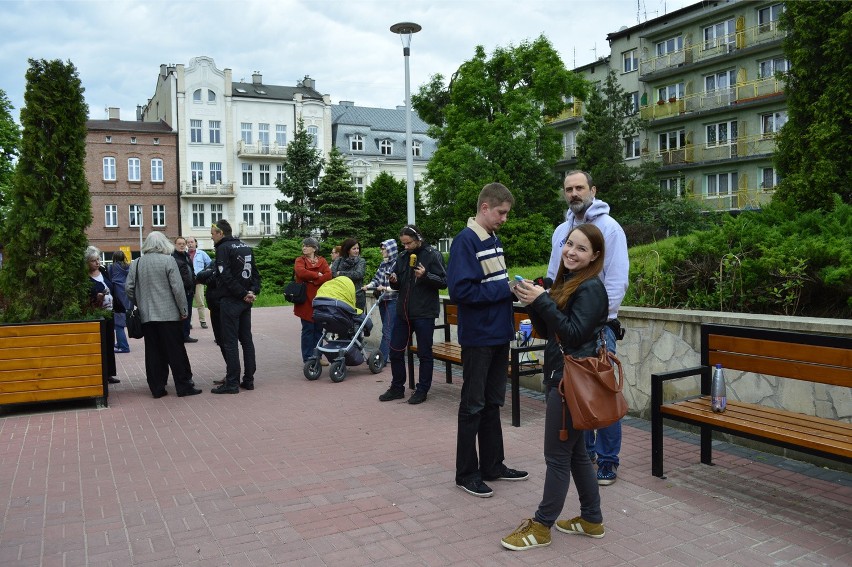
x,y
479,283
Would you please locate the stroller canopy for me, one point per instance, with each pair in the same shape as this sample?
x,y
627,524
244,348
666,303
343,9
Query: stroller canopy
x,y
340,288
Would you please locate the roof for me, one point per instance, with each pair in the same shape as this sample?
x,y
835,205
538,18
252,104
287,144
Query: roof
x,y
129,126
703,5
376,125
384,119
272,92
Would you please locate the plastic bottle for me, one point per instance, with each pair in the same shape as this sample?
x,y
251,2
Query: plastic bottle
x,y
718,398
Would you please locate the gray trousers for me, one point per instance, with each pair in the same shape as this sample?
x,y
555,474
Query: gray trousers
x,y
566,459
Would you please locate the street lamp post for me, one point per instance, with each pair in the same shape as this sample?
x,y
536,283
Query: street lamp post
x,y
405,30
139,220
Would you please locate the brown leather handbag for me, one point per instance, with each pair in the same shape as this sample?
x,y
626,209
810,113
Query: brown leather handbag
x,y
591,392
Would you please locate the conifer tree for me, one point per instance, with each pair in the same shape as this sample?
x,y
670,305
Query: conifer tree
x,y
337,201
10,141
385,208
301,171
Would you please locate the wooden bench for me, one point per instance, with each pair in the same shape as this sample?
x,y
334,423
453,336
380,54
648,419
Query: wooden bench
x,y
798,356
449,352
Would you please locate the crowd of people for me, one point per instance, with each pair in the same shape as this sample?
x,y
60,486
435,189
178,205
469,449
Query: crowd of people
x,y
578,314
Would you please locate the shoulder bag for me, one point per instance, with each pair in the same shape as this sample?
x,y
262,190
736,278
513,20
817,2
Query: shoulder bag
x,y
591,392
296,293
134,317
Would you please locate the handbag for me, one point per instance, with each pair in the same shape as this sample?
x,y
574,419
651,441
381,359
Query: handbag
x,y
134,316
591,392
296,293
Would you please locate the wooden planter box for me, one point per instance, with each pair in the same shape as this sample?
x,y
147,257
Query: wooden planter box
x,y
53,361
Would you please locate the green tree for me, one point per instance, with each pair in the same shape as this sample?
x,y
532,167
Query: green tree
x,y
337,201
385,208
491,124
301,170
813,154
43,275
10,141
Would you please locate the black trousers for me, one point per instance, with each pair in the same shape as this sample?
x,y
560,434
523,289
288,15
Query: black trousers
x,y
164,349
235,325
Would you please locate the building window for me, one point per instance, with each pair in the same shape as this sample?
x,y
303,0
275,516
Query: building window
x,y
216,172
156,141
263,136
279,173
157,170
416,148
769,67
247,174
196,169
630,61
196,96
721,184
248,214
634,102
215,132
158,215
266,218
135,216
722,134
670,45
211,96
672,140
721,81
356,143
771,123
769,178
767,18
109,169
313,134
673,186
134,169
111,216
358,182
386,147
281,135
108,139
198,215
670,92
282,217
245,132
631,147
720,34
132,139
216,211
264,174
195,131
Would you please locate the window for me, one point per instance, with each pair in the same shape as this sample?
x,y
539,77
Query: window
x,y
215,172
211,96
631,147
111,216
216,212
771,123
158,215
634,102
672,140
279,173
157,170
673,186
135,216
196,96
247,174
263,135
281,135
245,132
721,80
134,169
266,218
198,215
264,174
722,134
282,217
196,169
670,92
767,18
109,169
108,139
670,45
156,141
416,148
356,143
720,34
215,131
132,139
248,214
195,131
769,178
769,67
630,61
313,134
386,147
721,184
358,182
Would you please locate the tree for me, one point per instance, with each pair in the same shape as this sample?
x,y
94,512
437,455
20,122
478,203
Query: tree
x,y
812,155
301,170
10,140
44,275
385,211
491,124
337,200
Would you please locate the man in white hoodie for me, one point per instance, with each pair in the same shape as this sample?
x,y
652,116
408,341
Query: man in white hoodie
x,y
579,193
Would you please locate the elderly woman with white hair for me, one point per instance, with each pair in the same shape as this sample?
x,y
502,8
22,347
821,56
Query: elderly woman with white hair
x,y
155,286
101,295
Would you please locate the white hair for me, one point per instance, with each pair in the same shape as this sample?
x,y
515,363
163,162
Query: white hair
x,y
157,243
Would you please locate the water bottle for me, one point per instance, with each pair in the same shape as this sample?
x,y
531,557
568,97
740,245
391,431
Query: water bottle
x,y
718,398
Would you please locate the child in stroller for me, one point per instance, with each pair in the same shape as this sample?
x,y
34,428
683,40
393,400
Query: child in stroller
x,y
344,327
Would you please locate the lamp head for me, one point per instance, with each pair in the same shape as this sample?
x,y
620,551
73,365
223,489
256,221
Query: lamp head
x,y
405,29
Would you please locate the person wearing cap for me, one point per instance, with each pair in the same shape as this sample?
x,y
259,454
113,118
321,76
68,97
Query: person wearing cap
x,y
312,270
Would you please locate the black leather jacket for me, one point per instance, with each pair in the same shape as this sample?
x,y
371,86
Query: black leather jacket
x,y
418,297
578,325
237,271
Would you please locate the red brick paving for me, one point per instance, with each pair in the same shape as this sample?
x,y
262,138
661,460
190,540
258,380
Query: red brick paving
x,y
317,473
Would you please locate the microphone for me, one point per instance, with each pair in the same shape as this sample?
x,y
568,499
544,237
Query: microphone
x,y
546,283
412,260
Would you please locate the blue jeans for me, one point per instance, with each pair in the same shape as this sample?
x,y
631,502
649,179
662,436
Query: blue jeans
x,y
387,310
423,329
606,442
121,338
311,335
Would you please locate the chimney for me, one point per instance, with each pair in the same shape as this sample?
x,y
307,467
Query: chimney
x,y
256,78
308,82
163,70
114,113
139,112
347,103
401,107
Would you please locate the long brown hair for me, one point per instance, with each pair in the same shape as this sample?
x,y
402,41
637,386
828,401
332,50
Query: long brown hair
x,y
562,289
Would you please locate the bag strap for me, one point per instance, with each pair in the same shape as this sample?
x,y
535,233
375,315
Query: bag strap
x,y
136,301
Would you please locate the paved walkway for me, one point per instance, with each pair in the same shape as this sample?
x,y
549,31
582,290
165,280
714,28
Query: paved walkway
x,y
317,473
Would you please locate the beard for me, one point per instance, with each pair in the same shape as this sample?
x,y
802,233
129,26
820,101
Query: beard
x,y
579,208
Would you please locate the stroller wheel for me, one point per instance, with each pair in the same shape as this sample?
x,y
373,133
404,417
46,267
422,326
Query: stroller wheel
x,y
338,370
376,362
312,369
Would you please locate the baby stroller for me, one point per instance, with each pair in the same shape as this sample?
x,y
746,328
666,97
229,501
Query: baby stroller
x,y
343,330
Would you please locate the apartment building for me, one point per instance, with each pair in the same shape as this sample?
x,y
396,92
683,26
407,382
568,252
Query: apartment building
x,y
131,168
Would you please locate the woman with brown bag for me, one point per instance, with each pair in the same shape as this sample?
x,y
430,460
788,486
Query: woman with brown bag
x,y
575,311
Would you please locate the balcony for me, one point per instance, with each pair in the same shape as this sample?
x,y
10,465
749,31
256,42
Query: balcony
x,y
667,61
718,98
760,145
569,152
662,109
256,230
260,150
742,199
202,189
574,110
767,86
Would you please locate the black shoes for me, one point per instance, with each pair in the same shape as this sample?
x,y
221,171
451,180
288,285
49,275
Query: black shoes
x,y
247,385
223,389
113,380
392,394
190,392
159,395
190,340
511,474
418,397
477,488
203,325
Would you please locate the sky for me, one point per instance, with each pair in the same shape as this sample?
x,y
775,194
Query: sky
x,y
345,45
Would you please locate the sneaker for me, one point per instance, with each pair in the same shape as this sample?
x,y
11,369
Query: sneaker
x,y
606,474
512,474
580,526
418,397
323,362
528,535
223,389
392,394
477,488
203,325
247,385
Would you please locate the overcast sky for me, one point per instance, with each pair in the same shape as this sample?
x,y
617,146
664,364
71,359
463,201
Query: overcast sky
x,y
345,45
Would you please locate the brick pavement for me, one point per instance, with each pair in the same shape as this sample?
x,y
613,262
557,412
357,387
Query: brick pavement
x,y
317,473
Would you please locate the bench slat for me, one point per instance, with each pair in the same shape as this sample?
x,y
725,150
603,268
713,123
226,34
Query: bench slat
x,y
784,368
820,355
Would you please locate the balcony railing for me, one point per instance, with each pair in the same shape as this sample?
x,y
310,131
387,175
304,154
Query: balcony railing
x,y
201,188
741,199
718,98
574,110
569,152
744,146
260,149
256,230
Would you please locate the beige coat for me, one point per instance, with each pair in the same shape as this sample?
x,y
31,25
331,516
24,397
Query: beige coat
x,y
160,288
